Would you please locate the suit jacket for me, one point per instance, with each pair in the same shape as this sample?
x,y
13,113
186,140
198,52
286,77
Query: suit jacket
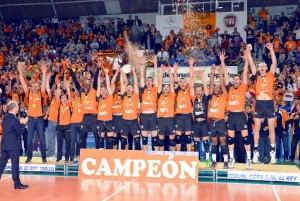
x,y
11,134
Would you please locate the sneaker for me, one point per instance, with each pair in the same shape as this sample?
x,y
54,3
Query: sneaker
x,y
213,164
58,160
75,163
35,153
207,163
51,159
248,164
28,160
66,161
273,158
255,157
44,160
231,162
226,166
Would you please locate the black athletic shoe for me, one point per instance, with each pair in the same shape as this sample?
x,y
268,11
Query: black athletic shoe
x,y
44,160
226,166
213,164
28,160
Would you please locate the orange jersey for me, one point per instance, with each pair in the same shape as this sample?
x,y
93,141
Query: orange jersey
x,y
105,108
35,103
117,104
236,98
77,113
217,106
15,97
276,44
64,115
53,110
264,84
166,105
149,98
289,45
183,102
130,106
89,102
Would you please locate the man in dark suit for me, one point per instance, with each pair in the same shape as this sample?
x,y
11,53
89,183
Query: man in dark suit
x,y
10,146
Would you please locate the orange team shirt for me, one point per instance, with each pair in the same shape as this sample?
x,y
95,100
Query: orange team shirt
x,y
166,105
269,38
105,108
117,104
15,97
277,98
264,14
261,38
276,44
298,44
236,98
53,110
77,113
130,107
265,85
89,102
65,115
149,98
289,45
183,102
284,117
35,103
217,106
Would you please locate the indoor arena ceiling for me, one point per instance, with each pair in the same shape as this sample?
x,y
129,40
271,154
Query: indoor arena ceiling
x,y
22,9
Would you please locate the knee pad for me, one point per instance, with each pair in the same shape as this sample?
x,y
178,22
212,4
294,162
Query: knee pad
x,y
172,143
137,143
116,140
214,149
154,141
246,140
206,146
110,143
101,142
145,140
196,146
230,140
224,150
161,142
178,139
123,143
188,139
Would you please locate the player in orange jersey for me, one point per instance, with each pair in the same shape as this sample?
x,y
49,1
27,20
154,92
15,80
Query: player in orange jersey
x,y
130,125
237,120
148,92
264,106
216,114
165,110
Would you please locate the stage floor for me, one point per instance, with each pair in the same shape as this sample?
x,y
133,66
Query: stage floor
x,y
60,188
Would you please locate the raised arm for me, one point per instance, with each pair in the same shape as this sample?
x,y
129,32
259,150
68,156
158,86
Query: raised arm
x,y
161,76
122,83
74,78
222,57
250,59
212,79
171,79
192,83
20,69
135,87
114,78
44,71
142,73
67,85
58,92
99,86
204,83
108,86
191,64
95,83
222,83
245,71
48,90
175,67
154,59
273,57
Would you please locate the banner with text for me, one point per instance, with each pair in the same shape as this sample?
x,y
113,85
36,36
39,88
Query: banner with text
x,y
166,23
140,165
184,72
33,167
264,176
